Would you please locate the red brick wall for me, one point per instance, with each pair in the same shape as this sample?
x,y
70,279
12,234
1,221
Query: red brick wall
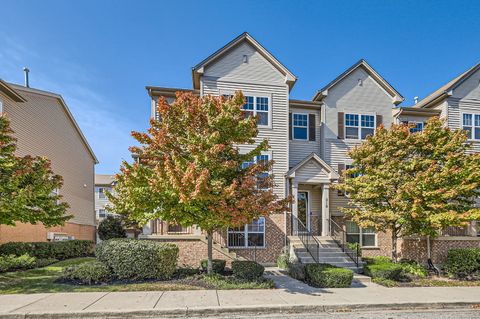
x,y
192,251
416,248
35,233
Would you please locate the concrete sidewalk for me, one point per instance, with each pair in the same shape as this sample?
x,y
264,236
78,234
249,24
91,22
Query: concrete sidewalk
x,y
210,302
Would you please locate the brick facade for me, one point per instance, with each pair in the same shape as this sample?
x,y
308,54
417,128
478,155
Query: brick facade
x,y
37,233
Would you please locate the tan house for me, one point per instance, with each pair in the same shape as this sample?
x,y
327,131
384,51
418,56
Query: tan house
x,y
44,126
309,143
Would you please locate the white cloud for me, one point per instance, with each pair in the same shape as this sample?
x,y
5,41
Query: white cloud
x,y
107,133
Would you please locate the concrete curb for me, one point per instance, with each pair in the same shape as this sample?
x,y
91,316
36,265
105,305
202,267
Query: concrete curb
x,y
240,310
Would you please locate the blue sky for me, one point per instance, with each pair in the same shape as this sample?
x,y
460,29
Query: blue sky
x,y
100,55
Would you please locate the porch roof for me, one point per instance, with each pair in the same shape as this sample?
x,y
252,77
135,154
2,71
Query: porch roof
x,y
312,169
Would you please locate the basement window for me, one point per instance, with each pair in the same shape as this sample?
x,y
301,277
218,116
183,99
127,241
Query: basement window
x,y
366,237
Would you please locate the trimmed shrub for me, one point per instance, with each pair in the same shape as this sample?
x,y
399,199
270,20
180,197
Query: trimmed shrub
x,y
377,260
385,270
328,276
218,265
12,262
247,269
138,259
59,249
296,270
111,227
89,273
463,263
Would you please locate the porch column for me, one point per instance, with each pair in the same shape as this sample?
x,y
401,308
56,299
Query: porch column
x,y
147,228
295,206
325,210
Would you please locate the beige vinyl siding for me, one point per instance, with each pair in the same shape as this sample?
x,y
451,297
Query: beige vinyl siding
x,y
412,118
42,127
231,67
277,135
300,149
311,172
348,96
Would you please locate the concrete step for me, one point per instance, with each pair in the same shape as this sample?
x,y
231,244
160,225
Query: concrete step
x,y
362,278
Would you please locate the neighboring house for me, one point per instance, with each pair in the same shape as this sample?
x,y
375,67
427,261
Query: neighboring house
x,y
103,184
309,142
44,126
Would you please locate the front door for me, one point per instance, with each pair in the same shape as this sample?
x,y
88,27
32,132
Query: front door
x,y
303,209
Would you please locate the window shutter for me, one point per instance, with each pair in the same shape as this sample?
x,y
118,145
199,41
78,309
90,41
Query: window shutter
x,y
379,120
341,168
341,125
311,127
290,126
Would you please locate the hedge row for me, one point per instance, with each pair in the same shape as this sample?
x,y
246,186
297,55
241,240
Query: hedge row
x,y
328,276
47,250
138,259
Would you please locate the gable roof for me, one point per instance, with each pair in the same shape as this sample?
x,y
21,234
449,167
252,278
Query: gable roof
x,y
198,70
446,89
332,174
104,179
67,111
10,92
397,97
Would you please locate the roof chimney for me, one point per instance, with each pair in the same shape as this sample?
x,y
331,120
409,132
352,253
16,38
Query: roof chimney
x,y
26,70
415,99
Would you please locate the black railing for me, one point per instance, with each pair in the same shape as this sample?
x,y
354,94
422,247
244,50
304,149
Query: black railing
x,y
235,242
339,235
306,237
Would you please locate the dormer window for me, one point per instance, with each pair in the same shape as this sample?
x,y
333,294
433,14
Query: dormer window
x,y
258,106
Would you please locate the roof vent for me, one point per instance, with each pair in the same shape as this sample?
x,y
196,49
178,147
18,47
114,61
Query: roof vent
x,y
26,70
415,99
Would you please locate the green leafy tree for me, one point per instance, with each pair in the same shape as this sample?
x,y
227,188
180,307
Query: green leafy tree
x,y
413,183
190,169
28,186
111,227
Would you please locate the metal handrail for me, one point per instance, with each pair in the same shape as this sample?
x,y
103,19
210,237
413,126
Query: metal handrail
x,y
339,235
307,238
218,237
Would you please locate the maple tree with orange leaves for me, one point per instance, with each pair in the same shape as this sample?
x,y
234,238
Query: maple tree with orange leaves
x,y
190,168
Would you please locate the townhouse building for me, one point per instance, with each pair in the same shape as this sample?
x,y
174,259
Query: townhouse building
x,y
309,142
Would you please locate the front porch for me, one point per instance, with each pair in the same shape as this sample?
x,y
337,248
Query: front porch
x,y
309,185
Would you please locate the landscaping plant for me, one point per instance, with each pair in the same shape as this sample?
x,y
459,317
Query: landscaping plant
x,y
328,276
111,227
247,269
138,259
28,186
218,265
463,263
43,250
190,169
89,273
413,183
12,262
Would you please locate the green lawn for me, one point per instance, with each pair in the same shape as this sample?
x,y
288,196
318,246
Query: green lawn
x,y
43,280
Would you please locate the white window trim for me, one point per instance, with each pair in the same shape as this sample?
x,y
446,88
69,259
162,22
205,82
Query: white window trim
x,y
1,106
359,124
308,126
104,193
361,239
245,233
472,126
255,95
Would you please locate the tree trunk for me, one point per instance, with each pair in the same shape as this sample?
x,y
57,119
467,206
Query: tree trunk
x,y
210,252
394,245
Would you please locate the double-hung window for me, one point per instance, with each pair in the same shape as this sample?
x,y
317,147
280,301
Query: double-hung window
x,y
101,193
471,125
250,235
300,126
366,237
260,159
102,213
258,106
359,126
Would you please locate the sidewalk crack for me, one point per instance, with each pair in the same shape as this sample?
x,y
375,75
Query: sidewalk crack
x,y
218,299
95,301
158,300
31,303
